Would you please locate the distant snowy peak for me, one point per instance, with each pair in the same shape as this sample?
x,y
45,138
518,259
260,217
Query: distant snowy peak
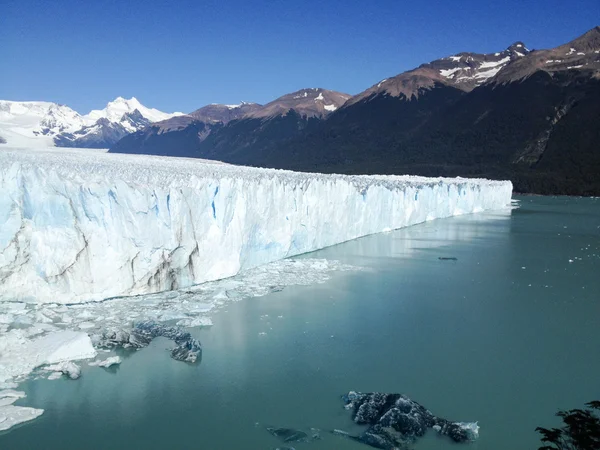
x,y
309,102
115,110
40,117
35,124
31,124
464,71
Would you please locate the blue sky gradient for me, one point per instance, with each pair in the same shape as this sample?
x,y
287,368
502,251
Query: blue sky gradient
x,y
180,55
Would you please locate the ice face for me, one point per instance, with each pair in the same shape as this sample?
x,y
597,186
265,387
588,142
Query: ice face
x,y
85,226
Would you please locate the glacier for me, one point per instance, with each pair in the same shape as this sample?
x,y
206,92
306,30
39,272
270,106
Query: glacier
x,y
80,226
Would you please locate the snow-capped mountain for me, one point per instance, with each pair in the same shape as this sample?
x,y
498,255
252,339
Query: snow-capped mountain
x,y
42,124
34,124
217,129
120,106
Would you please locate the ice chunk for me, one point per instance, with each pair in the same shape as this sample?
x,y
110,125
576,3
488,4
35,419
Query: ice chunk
x,y
11,415
20,355
471,429
108,362
68,368
196,322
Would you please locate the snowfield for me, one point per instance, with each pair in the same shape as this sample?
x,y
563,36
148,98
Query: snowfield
x,y
82,226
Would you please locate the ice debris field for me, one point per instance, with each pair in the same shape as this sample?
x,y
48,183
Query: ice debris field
x,y
92,242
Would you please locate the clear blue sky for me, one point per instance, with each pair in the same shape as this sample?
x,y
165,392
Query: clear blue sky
x,y
180,55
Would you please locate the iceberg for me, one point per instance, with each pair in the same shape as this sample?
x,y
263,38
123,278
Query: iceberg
x,y
82,226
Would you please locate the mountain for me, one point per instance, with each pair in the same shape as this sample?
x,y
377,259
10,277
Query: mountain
x,y
181,135
312,102
35,124
214,130
582,54
115,110
103,132
464,71
528,116
535,121
223,113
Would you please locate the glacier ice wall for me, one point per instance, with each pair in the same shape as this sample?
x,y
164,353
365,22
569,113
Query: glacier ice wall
x,y
78,226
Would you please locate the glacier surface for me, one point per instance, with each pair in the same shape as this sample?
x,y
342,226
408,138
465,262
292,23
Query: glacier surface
x,y
83,226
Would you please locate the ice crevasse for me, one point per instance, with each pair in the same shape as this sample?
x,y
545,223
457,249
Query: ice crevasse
x,y
79,226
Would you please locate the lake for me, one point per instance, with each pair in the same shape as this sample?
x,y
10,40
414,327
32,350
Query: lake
x,y
506,334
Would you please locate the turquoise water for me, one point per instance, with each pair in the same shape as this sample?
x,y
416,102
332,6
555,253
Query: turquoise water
x,y
505,335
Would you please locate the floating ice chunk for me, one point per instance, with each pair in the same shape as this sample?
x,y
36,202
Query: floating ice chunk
x,y
19,355
68,368
470,428
192,322
108,362
11,415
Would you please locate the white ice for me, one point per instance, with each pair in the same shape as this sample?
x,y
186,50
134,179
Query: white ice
x,y
68,368
20,354
108,362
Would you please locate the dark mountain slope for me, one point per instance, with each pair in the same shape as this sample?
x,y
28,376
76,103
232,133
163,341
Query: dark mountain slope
x,y
178,136
358,134
529,116
240,133
543,133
